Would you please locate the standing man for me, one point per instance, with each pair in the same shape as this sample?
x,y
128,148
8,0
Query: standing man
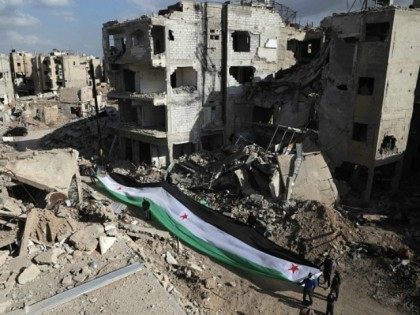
x,y
146,210
331,298
328,264
309,285
336,282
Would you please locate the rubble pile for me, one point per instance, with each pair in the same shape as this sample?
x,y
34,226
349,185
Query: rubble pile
x,y
238,181
82,134
293,94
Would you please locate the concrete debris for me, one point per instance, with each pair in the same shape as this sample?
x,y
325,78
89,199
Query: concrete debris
x,y
105,243
40,169
87,238
49,257
3,256
280,140
210,283
170,259
28,274
82,134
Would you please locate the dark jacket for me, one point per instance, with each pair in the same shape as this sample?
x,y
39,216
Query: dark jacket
x,y
309,284
336,281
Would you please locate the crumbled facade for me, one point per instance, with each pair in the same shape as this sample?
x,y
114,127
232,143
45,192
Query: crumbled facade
x,y
367,104
6,82
176,74
22,72
64,70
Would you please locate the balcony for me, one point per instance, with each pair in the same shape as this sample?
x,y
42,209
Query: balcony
x,y
157,99
136,132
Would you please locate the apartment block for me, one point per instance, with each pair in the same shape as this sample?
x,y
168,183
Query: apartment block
x,y
22,72
366,112
177,73
7,93
64,70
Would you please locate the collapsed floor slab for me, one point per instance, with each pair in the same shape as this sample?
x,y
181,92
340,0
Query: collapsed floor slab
x,y
47,170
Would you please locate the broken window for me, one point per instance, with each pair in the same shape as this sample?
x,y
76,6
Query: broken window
x,y
182,149
144,152
184,77
128,149
214,37
366,85
388,145
262,115
360,132
111,41
342,87
212,142
153,117
355,175
350,40
383,177
1,75
158,36
136,38
171,35
376,32
129,81
242,74
241,41
311,47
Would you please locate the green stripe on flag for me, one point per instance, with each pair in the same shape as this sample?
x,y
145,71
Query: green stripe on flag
x,y
223,256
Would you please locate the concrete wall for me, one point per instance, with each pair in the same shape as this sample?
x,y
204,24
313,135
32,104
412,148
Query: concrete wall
x,y
401,79
6,83
268,54
379,47
352,57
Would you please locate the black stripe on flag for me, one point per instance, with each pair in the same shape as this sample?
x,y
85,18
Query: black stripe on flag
x,y
236,228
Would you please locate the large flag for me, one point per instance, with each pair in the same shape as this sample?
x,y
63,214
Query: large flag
x,y
210,232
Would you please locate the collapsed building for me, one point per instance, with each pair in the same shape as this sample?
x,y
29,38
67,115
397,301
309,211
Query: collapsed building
x,y
6,83
22,72
191,76
176,74
358,95
64,70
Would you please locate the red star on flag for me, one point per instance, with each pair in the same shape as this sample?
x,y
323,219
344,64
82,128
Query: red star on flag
x,y
293,268
184,216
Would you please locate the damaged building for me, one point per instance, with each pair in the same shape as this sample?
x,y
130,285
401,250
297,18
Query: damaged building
x,y
64,70
367,104
22,72
177,74
6,82
357,93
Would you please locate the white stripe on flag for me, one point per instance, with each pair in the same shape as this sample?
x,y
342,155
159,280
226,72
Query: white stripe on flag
x,y
208,232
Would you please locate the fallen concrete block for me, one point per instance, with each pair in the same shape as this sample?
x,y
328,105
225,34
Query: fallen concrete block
x,y
105,243
275,184
28,274
50,257
314,181
86,239
47,170
170,259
